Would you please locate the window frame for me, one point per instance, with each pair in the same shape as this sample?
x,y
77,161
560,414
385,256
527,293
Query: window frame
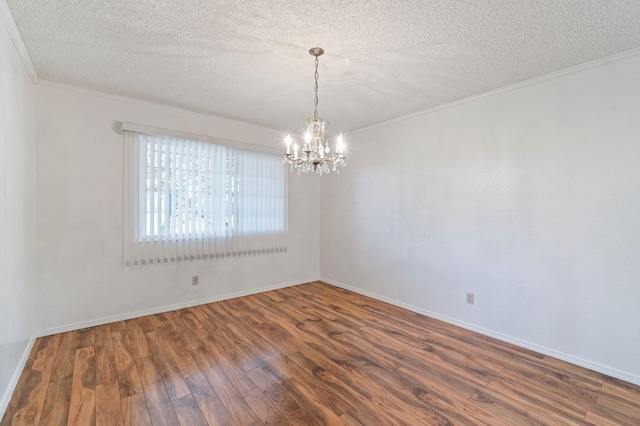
x,y
135,173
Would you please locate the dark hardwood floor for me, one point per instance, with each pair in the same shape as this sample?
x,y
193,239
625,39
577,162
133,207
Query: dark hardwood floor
x,y
310,354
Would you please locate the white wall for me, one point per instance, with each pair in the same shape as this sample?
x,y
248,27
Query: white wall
x,y
17,214
79,187
530,198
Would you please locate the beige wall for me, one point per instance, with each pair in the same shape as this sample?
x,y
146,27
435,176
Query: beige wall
x,y
529,198
79,187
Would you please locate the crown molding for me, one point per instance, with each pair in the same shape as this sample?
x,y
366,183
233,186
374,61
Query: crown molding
x,y
18,42
535,80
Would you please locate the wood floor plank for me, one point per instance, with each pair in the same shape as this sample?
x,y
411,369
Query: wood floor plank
x,y
547,390
539,401
349,392
512,411
261,405
622,386
188,412
231,399
580,382
622,395
167,367
574,370
374,396
226,344
290,405
453,406
135,411
631,411
453,353
199,340
267,356
32,394
400,399
147,370
349,420
86,338
117,326
305,355
82,404
614,412
161,410
455,379
209,403
106,371
56,404
521,371
311,385
108,405
146,323
65,355
139,345
238,409
260,378
326,415
128,379
158,400
178,350
599,420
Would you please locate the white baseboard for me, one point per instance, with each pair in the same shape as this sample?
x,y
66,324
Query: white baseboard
x,y
11,386
166,308
609,371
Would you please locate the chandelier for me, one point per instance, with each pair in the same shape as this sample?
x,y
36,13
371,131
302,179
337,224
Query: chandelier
x,y
315,155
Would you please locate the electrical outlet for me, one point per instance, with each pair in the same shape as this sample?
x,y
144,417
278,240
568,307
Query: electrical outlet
x,y
470,298
195,280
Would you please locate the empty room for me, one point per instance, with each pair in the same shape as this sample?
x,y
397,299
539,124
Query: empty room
x,y
319,213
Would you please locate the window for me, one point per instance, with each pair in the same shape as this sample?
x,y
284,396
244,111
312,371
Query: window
x,y
189,200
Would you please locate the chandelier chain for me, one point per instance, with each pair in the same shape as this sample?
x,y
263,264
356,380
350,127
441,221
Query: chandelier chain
x,y
315,100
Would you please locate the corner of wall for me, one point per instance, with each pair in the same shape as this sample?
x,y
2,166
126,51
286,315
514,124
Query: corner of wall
x,y
8,392
21,49
17,143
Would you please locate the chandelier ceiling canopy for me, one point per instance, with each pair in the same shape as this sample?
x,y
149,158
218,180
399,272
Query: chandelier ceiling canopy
x,y
316,155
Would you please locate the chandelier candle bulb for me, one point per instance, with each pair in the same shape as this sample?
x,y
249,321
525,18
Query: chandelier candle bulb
x,y
316,155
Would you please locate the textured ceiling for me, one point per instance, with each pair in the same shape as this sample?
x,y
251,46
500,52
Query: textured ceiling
x,y
248,59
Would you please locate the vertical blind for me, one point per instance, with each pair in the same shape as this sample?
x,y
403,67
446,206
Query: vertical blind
x,y
188,200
